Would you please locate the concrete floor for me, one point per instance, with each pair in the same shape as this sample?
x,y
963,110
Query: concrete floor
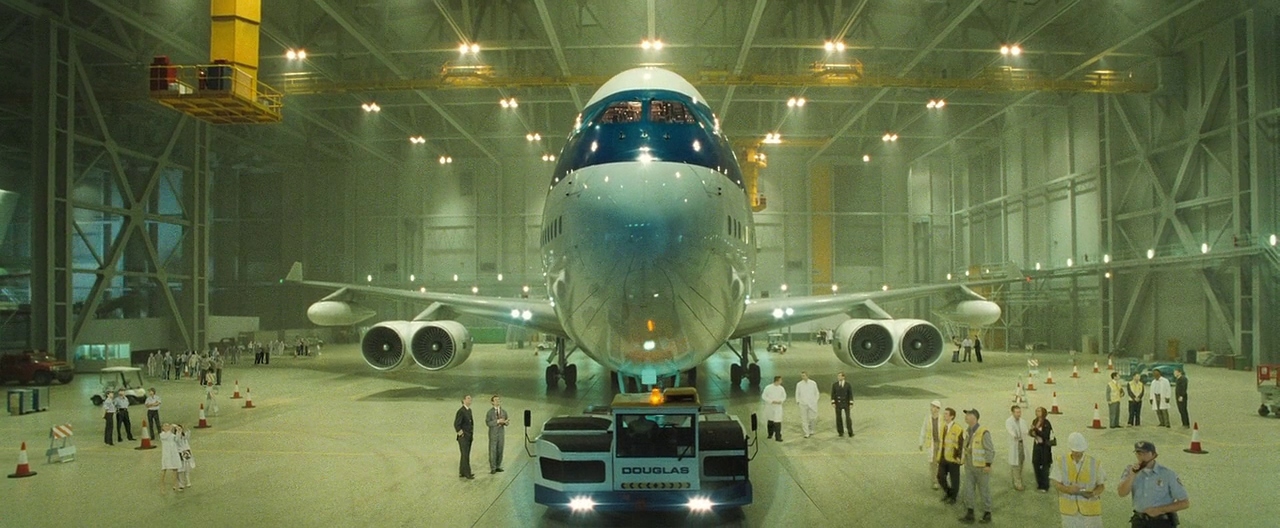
x,y
333,443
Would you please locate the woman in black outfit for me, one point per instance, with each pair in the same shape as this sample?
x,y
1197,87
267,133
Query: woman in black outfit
x,y
1042,448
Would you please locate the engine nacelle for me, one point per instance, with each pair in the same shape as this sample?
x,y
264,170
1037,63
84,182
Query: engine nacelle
x,y
383,346
338,313
865,343
439,345
434,345
973,313
919,344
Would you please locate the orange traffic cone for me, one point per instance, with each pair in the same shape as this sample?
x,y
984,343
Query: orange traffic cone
x,y
204,423
1048,380
146,438
1097,418
24,469
1095,368
1075,371
1195,441
236,395
1031,384
1054,409
248,398
1110,365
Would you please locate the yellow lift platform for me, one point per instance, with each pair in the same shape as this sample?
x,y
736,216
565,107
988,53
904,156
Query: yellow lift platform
x,y
218,93
226,91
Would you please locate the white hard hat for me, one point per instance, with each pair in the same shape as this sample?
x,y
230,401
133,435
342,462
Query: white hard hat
x,y
1077,443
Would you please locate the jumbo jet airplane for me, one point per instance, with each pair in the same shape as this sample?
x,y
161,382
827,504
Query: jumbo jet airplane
x,y
649,251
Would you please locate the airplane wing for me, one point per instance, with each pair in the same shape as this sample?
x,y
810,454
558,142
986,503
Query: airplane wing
x,y
530,313
768,314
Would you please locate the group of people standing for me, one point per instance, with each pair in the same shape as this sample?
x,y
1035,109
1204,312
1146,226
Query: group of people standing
x,y
175,456
1077,476
1160,395
774,395
972,346
464,427
204,366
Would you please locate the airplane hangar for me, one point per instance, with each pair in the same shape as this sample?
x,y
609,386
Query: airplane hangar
x,y
1105,171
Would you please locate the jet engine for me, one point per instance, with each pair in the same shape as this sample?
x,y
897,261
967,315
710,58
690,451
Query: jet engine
x,y
919,343
439,345
434,345
383,345
338,313
865,343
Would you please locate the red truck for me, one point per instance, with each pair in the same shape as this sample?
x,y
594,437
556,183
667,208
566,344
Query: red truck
x,y
34,367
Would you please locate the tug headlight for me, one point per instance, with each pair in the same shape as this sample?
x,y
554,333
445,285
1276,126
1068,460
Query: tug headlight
x,y
699,505
582,504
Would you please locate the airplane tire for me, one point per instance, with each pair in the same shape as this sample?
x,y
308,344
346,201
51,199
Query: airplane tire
x,y
753,374
553,375
735,375
571,376
691,377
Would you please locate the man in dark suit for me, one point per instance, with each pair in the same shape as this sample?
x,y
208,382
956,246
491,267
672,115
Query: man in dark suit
x,y
841,397
1180,392
464,426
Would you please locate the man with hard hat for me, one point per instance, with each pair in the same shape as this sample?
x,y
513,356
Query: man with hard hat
x,y
979,451
1080,481
1157,491
931,433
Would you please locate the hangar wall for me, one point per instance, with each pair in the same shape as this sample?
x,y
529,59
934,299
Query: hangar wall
x,y
1116,175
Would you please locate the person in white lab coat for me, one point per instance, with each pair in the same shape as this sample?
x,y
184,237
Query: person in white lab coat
x,y
1017,429
807,398
773,397
1161,395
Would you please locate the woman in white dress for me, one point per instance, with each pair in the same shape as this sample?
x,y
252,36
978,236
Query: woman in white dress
x,y
169,460
182,438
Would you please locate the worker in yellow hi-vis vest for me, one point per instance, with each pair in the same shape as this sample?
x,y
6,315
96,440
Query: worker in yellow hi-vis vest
x,y
1080,481
979,451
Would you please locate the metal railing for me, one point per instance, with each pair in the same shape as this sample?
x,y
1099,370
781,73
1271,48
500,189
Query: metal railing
x,y
212,81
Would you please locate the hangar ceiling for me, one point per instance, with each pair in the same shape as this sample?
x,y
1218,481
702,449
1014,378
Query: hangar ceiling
x,y
748,58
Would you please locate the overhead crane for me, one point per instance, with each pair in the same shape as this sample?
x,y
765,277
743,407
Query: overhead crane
x,y
818,75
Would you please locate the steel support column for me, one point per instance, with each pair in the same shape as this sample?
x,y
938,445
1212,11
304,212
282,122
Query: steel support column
x,y
53,158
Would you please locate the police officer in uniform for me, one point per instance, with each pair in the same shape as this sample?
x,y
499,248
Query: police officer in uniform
x,y
1157,491
841,397
123,425
464,426
109,414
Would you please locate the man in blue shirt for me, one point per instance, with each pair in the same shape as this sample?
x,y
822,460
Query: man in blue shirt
x,y
1157,491
109,414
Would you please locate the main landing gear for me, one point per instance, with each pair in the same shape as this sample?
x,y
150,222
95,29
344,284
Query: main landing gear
x,y
743,369
562,369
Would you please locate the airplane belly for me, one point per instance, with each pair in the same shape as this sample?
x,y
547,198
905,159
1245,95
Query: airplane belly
x,y
653,282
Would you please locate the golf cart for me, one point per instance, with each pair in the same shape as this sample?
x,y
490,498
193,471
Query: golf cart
x,y
116,378
777,343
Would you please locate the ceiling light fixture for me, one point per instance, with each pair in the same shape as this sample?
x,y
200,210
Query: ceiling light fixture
x,y
444,160
795,102
831,45
889,137
773,138
371,107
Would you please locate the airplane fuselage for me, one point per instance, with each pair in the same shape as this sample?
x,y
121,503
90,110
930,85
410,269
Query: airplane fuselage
x,y
647,240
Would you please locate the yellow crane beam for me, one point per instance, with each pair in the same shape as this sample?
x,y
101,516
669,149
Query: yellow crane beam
x,y
483,77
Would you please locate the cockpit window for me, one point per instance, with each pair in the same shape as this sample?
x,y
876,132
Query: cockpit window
x,y
670,112
622,112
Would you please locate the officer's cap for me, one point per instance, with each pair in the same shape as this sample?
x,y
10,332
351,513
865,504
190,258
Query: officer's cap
x,y
1145,447
974,412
